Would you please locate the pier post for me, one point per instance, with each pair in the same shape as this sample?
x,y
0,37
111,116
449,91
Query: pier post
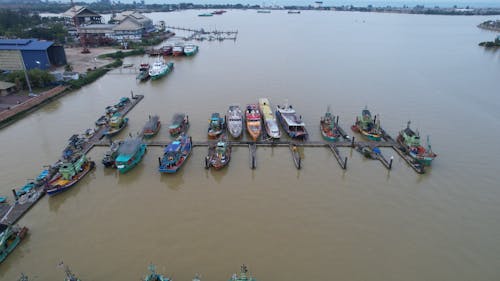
x,y
390,163
300,162
345,163
352,141
15,194
159,161
337,121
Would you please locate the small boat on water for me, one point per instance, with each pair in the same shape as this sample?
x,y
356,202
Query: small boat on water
x,y
369,151
175,154
116,124
10,237
69,174
291,123
130,153
143,72
329,128
3,199
160,68
243,276
263,11
190,49
293,12
152,127
25,189
122,102
219,155
216,125
235,121
218,12
368,126
205,15
270,123
110,155
411,142
180,124
253,120
103,120
178,50
153,276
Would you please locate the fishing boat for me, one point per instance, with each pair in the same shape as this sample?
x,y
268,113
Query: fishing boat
x,y
69,174
263,11
160,68
235,121
219,155
25,189
178,50
216,125
411,141
130,154
243,276
270,123
252,117
116,124
190,49
180,124
143,72
152,127
293,12
153,276
3,199
175,154
10,237
329,128
103,120
122,102
205,15
291,123
368,126
69,275
369,151
110,155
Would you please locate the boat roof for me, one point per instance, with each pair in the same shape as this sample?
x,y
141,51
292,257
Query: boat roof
x,y
291,119
152,123
178,118
3,227
215,116
128,148
173,146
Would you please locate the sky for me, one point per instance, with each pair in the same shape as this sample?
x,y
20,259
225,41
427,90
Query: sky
x,y
359,3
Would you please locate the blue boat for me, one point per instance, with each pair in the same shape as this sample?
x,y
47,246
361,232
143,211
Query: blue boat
x,y
153,276
130,154
25,189
175,154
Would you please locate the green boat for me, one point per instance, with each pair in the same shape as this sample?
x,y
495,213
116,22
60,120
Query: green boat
x,y
160,69
410,141
190,50
153,276
130,154
244,275
10,237
116,124
368,126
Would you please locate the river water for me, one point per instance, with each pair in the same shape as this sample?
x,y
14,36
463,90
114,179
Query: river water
x,y
317,223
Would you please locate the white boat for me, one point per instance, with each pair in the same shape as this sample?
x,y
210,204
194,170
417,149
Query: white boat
x,y
291,123
160,68
235,121
178,49
190,49
270,122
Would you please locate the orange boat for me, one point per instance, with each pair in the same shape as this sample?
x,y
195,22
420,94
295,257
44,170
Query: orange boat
x,y
252,116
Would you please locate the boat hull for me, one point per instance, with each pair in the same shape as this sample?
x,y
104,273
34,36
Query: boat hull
x,y
174,168
254,131
137,159
56,189
10,248
112,132
149,134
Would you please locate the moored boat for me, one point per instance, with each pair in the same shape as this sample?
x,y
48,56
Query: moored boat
x,y
205,15
218,12
329,128
69,174
253,120
116,124
103,120
10,237
143,73
178,49
263,11
368,126
290,122
110,155
235,121
175,154
411,141
180,124
154,276
152,127
216,125
130,153
160,68
243,276
219,155
270,123
190,49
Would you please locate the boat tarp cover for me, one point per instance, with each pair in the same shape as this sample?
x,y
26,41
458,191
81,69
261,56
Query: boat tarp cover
x,y
177,120
152,123
129,147
174,146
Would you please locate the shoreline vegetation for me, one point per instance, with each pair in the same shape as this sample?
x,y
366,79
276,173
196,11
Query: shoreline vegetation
x,y
493,25
106,7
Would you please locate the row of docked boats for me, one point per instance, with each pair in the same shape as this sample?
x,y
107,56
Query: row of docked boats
x,y
176,49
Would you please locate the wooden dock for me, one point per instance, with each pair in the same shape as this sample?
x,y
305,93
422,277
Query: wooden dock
x,y
210,35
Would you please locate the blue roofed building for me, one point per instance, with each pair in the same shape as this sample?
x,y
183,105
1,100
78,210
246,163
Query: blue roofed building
x,y
32,53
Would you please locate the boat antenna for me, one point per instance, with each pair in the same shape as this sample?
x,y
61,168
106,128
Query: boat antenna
x,y
408,124
429,145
